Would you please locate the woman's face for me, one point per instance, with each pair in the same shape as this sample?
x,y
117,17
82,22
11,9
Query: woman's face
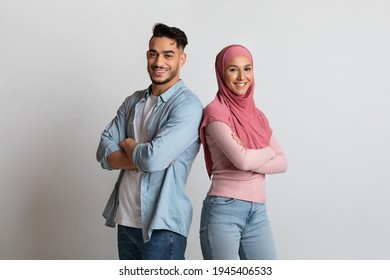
x,y
238,75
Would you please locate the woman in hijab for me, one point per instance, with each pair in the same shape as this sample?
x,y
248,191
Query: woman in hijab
x,y
239,149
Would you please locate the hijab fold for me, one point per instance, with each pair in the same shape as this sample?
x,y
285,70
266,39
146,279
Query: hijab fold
x,y
238,112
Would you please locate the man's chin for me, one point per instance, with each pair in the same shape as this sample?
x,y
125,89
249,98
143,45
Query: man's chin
x,y
160,81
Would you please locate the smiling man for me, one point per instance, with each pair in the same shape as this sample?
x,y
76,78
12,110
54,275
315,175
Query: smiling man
x,y
154,140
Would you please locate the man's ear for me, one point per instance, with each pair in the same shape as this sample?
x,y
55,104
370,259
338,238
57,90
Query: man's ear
x,y
183,58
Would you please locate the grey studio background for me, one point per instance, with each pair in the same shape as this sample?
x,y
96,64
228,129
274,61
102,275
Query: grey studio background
x,y
322,71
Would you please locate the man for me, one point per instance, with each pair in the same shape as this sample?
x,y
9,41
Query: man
x,y
154,140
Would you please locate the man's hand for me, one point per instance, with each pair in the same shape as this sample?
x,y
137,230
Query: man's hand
x,y
128,146
123,159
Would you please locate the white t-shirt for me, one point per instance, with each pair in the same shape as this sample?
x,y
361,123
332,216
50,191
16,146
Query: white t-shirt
x,y
129,208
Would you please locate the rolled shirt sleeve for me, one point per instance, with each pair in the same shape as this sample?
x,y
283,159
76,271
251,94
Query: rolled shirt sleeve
x,y
113,134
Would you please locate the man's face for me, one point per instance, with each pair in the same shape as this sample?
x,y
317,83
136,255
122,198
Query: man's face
x,y
164,61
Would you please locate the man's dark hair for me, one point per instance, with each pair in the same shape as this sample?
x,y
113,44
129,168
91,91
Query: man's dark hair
x,y
174,33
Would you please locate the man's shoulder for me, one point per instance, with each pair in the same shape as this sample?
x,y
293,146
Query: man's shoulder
x,y
135,96
187,95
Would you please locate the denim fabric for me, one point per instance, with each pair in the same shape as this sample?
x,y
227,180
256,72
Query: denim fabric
x,y
163,245
165,160
232,229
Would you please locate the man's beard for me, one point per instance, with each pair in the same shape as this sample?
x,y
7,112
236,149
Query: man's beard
x,y
161,82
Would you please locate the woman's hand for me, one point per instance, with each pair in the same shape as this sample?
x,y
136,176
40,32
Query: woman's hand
x,y
237,139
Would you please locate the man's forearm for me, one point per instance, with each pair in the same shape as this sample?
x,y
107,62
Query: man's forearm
x,y
120,160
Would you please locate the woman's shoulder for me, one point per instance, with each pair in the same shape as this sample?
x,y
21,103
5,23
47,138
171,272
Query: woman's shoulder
x,y
216,108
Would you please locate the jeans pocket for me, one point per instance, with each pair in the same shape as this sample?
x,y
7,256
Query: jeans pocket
x,y
222,200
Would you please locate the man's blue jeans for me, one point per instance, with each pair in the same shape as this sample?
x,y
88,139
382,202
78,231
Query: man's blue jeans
x,y
163,245
232,229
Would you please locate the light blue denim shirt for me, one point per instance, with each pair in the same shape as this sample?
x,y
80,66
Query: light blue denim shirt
x,y
165,160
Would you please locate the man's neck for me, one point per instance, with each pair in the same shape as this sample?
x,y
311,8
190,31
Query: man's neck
x,y
157,90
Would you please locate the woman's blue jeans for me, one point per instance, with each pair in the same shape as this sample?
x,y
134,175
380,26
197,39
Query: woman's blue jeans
x,y
163,245
232,229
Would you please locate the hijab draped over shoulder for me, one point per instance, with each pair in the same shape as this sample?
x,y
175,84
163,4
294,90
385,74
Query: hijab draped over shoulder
x,y
238,112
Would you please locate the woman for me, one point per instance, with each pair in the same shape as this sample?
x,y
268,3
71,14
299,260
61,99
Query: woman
x,y
239,149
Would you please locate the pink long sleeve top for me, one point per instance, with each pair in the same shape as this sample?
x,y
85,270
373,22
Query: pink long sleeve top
x,y
238,172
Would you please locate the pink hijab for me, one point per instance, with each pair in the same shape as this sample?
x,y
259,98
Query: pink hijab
x,y
238,112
